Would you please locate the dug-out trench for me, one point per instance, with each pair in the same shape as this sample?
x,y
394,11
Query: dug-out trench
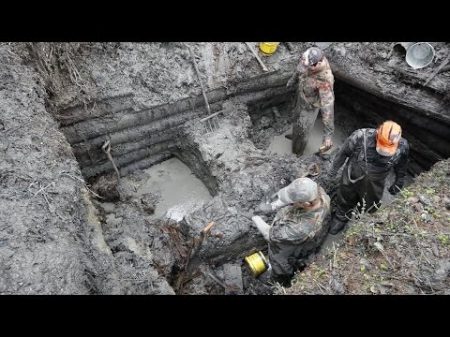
x,y
232,158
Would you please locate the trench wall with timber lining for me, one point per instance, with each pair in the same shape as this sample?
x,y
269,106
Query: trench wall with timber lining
x,y
428,136
140,139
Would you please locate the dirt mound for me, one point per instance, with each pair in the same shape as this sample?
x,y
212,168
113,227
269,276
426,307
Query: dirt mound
x,y
51,241
155,73
44,236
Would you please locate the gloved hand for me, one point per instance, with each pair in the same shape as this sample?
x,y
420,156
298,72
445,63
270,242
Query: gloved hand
x,y
326,145
262,226
394,189
292,80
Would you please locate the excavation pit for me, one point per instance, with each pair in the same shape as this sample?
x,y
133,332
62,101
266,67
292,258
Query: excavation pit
x,y
150,112
216,155
224,193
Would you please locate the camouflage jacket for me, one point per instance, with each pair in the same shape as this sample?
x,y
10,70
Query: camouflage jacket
x,y
378,166
294,226
316,85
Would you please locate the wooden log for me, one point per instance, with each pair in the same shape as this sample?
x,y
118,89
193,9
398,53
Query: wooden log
x,y
254,89
110,105
142,131
442,65
92,128
90,154
418,100
444,69
274,97
259,97
145,163
415,79
122,161
266,81
96,158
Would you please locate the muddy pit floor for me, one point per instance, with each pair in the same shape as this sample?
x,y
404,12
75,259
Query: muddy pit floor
x,y
179,191
281,145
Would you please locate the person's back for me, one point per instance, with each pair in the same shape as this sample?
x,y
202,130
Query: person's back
x,y
296,233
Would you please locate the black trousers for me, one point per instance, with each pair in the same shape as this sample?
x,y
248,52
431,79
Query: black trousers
x,y
367,192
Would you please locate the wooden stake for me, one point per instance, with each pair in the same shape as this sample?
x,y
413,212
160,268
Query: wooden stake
x,y
257,57
442,65
199,79
107,149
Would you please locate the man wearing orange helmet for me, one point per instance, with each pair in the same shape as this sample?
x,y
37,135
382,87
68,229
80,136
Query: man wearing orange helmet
x,y
371,154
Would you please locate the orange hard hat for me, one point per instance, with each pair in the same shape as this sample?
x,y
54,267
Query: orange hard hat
x,y
388,137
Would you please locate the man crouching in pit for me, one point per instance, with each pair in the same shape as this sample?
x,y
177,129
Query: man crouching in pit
x,y
298,228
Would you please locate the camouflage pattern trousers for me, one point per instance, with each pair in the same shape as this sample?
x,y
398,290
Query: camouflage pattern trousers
x,y
305,116
285,258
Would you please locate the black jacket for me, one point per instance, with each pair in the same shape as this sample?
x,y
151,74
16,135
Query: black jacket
x,y
378,166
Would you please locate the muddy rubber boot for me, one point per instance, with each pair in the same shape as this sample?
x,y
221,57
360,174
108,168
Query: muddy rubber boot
x,y
284,280
336,226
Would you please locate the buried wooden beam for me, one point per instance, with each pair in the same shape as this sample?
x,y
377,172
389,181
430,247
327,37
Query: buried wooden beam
x,y
122,161
442,65
97,127
88,155
81,112
104,123
139,132
365,80
145,163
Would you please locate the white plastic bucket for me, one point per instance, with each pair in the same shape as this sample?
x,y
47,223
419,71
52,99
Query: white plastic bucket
x,y
419,55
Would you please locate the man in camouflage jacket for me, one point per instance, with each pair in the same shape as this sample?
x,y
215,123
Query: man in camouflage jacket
x,y
298,228
314,93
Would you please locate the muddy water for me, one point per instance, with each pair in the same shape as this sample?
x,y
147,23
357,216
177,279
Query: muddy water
x,y
281,145
180,191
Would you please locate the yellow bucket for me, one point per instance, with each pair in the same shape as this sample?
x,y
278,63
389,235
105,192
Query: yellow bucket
x,y
268,48
257,263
